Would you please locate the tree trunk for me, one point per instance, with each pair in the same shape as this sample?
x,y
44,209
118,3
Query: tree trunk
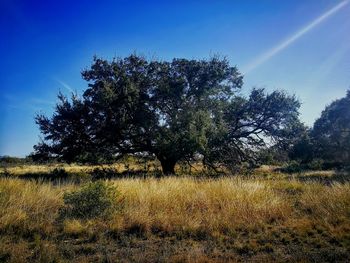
x,y
168,166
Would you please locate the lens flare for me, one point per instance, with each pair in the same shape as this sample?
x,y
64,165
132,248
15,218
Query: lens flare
x,y
284,44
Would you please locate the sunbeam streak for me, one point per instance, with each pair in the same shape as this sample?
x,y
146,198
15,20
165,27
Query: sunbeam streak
x,y
275,50
65,85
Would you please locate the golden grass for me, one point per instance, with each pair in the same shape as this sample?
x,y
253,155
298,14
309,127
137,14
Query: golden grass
x,y
127,166
74,168
181,203
327,204
28,205
174,204
251,214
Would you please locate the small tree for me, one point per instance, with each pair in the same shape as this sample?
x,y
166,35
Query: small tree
x,y
172,110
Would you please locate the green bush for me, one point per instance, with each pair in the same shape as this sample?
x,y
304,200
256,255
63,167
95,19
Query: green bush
x,y
293,167
92,200
316,164
103,173
297,167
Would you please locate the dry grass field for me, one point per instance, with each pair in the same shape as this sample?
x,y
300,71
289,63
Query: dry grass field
x,y
265,217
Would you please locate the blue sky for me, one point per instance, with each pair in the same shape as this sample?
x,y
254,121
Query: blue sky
x,y
301,46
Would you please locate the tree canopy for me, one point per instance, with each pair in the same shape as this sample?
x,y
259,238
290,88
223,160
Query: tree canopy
x,y
172,110
331,132
328,141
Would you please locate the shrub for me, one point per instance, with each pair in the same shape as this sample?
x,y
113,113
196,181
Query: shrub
x,y
60,173
103,173
316,164
293,167
92,200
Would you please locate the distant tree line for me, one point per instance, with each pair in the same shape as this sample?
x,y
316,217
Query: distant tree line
x,y
180,110
6,160
328,141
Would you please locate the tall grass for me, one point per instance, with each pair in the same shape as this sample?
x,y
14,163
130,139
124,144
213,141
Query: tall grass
x,y
181,204
175,204
28,206
258,218
327,204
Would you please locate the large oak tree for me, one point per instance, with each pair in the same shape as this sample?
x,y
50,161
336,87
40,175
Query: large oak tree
x,y
172,110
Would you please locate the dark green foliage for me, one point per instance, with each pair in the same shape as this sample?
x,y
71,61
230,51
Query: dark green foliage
x,y
303,150
327,144
68,132
103,173
331,132
92,200
313,165
171,110
293,167
249,124
274,155
59,173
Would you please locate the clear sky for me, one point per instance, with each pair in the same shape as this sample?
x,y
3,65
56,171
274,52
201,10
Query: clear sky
x,y
301,46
